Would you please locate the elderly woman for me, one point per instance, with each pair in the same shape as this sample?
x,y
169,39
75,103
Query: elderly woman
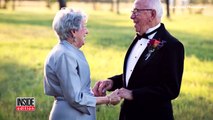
x,y
67,74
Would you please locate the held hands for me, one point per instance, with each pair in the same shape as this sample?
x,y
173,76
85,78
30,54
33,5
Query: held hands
x,y
114,98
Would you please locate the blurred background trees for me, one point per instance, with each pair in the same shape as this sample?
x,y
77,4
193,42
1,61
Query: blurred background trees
x,y
171,5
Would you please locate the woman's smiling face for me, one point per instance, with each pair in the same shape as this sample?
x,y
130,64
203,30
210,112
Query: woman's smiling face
x,y
80,35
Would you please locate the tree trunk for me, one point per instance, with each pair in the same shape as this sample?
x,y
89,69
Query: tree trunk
x,y
112,6
167,9
94,4
62,3
118,10
174,6
14,5
48,4
5,4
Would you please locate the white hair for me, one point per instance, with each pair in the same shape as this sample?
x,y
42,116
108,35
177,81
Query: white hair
x,y
157,6
67,20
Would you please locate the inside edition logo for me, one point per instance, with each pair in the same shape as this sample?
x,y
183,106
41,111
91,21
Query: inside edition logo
x,y
25,103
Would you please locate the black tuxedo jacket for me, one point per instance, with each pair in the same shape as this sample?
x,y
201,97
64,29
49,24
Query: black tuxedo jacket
x,y
154,82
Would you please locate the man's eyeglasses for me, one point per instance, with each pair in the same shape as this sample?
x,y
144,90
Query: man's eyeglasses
x,y
134,11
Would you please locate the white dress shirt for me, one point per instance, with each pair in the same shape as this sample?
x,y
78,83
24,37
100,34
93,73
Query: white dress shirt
x,y
136,52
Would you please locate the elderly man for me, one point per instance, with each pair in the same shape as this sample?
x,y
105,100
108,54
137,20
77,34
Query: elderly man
x,y
153,68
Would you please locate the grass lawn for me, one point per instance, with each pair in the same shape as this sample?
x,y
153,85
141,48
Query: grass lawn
x,y
26,38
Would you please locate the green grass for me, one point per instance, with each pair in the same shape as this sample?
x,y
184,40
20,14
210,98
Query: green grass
x,y
26,38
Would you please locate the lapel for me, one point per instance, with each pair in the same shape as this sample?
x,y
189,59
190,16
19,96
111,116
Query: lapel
x,y
157,36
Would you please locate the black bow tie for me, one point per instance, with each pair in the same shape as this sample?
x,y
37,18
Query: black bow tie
x,y
142,36
145,35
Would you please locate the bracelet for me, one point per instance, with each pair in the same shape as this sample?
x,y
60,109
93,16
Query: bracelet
x,y
109,99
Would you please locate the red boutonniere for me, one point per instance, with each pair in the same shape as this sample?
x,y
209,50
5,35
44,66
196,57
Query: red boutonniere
x,y
153,45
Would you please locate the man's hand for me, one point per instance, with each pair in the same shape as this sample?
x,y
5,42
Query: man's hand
x,y
101,87
125,93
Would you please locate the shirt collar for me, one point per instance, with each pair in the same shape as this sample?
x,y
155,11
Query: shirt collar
x,y
153,28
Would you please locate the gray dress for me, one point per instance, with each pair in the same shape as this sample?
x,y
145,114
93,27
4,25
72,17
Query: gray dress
x,y
67,78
